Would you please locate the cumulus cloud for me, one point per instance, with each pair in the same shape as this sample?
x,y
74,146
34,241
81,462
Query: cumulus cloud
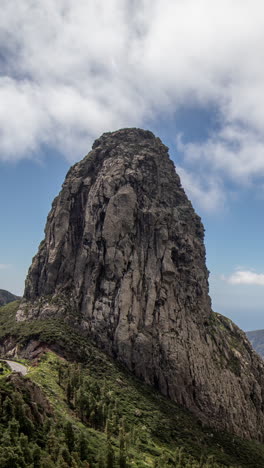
x,y
235,152
245,277
208,193
71,70
67,74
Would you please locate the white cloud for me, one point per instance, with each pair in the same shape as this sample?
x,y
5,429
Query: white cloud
x,y
206,191
245,277
71,70
235,152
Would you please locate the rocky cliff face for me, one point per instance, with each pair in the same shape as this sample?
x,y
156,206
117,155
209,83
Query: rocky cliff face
x,y
6,297
123,259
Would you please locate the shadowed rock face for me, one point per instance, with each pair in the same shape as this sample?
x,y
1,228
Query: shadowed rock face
x,y
123,259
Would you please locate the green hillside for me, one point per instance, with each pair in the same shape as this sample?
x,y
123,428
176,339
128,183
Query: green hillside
x,y
78,408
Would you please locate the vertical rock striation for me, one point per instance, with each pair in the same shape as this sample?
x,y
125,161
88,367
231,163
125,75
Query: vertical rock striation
x,y
123,259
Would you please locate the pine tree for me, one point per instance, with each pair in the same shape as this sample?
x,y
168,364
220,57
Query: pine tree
x,y
69,436
179,457
61,463
8,409
83,446
122,451
101,461
108,429
6,439
36,455
12,457
64,452
69,392
24,446
60,374
13,428
53,444
110,457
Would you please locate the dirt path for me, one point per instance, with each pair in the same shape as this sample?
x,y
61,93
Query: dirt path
x,y
16,366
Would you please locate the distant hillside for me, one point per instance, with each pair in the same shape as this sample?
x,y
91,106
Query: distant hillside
x,y
6,297
256,338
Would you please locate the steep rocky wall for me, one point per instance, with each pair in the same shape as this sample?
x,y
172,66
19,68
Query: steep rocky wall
x,y
123,258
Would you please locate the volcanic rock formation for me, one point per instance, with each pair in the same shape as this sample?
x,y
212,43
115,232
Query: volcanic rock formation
x,y
123,259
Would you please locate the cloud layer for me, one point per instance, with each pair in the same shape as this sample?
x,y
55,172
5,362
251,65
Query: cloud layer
x,y
246,277
71,70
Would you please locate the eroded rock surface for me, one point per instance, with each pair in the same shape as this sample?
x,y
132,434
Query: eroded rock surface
x,y
123,259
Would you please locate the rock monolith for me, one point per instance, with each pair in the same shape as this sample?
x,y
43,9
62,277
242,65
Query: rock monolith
x,y
123,260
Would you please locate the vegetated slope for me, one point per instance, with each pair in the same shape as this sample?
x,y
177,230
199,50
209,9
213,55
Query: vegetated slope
x,y
124,260
79,408
256,338
6,297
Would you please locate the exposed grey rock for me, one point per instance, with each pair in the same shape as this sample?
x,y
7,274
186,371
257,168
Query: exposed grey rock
x,y
6,297
123,258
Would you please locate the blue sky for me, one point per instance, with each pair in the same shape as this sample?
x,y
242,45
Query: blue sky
x,y
192,72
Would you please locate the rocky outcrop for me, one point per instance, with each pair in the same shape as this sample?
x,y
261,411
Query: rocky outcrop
x,y
6,297
123,259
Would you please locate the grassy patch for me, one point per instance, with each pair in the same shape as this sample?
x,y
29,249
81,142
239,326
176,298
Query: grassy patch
x,y
4,369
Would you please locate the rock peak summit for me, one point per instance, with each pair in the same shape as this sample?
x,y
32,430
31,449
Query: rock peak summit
x,y
128,135
123,259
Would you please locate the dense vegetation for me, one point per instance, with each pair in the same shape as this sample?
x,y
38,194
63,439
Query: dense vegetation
x,y
79,408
